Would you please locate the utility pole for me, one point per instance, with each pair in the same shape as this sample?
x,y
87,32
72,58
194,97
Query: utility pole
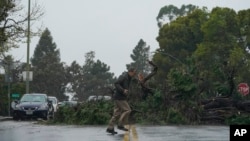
x,y
28,51
9,81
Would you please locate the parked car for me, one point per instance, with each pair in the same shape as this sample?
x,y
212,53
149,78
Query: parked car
x,y
92,98
99,98
104,97
33,105
68,103
54,102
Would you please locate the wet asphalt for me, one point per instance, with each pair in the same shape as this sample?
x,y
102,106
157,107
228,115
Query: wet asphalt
x,y
31,131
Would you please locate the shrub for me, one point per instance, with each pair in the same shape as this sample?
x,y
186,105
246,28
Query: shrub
x,y
238,120
89,113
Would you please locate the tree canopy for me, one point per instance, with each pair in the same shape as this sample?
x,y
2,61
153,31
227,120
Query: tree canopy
x,y
169,13
139,56
13,21
209,46
93,78
48,70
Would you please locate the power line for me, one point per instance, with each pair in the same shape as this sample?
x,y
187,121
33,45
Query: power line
x,y
171,56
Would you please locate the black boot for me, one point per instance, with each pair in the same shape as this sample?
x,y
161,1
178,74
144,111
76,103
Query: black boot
x,y
122,128
112,131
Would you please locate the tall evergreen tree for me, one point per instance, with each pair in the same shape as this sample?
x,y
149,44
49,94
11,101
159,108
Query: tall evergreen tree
x,y
48,70
98,79
93,78
97,76
140,56
75,79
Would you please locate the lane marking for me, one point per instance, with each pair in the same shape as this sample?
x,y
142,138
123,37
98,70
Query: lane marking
x,y
127,134
134,133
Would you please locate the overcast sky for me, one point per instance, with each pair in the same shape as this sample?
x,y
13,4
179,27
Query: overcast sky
x,y
111,28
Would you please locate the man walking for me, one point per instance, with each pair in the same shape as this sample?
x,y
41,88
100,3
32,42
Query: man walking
x,y
121,106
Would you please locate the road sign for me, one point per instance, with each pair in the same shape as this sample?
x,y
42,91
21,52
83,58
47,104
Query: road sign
x,y
15,95
29,74
243,88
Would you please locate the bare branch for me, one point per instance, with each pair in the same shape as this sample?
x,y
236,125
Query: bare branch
x,y
13,27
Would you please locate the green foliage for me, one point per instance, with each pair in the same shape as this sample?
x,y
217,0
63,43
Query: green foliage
x,y
92,78
217,41
3,96
13,27
238,120
222,50
140,56
221,26
154,101
6,7
221,88
181,83
238,96
89,113
178,40
96,113
171,12
153,110
64,115
214,42
244,22
49,74
175,117
157,99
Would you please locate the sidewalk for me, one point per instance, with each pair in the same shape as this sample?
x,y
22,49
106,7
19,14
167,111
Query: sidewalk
x,y
3,118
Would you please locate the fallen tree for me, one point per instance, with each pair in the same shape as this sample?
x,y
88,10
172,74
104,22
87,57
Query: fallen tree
x,y
219,109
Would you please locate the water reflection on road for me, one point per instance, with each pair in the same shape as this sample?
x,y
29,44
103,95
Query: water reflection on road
x,y
184,133
30,131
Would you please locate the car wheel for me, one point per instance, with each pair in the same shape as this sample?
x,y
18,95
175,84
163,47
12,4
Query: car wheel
x,y
46,115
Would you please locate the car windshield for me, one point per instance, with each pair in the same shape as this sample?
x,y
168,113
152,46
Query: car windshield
x,y
33,98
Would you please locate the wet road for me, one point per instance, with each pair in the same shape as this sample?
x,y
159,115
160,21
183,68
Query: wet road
x,y
30,131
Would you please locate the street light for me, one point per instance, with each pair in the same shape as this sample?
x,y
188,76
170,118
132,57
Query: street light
x,y
28,50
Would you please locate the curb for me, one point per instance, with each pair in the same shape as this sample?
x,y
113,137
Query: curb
x,y
5,118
